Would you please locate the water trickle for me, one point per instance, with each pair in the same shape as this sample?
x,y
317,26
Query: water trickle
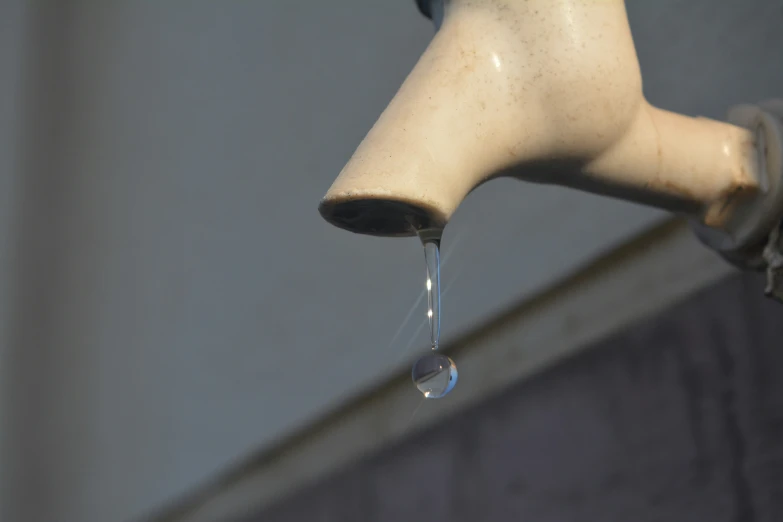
x,y
434,374
432,258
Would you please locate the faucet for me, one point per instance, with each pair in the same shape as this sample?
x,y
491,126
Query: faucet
x,y
550,91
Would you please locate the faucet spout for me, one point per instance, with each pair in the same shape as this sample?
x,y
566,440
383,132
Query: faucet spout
x,y
547,91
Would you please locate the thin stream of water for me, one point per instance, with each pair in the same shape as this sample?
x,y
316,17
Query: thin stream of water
x,y
434,374
432,259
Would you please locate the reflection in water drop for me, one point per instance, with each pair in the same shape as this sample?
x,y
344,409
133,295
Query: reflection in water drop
x,y
435,375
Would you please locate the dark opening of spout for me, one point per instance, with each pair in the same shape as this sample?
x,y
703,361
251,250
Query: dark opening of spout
x,y
380,217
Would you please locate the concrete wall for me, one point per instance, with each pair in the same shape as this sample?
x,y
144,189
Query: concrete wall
x,y
12,51
176,302
677,418
638,280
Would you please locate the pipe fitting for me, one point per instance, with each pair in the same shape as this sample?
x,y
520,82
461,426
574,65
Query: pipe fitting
x,y
750,238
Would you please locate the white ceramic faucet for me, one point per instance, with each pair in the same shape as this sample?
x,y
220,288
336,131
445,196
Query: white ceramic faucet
x,y
550,91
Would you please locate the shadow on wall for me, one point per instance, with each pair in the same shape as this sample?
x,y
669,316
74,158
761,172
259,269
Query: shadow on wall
x,y
678,418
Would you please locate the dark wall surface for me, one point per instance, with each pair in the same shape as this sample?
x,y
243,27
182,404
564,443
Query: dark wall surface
x,y
679,418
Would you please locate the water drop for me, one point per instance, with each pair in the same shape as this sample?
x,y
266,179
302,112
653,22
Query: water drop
x,y
435,375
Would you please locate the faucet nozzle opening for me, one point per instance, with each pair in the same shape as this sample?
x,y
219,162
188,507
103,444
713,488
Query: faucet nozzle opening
x,y
381,217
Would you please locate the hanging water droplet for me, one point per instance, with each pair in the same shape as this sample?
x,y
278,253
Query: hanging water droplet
x,y
435,375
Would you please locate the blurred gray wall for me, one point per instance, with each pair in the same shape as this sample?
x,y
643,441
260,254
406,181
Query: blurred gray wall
x,y
172,300
678,418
